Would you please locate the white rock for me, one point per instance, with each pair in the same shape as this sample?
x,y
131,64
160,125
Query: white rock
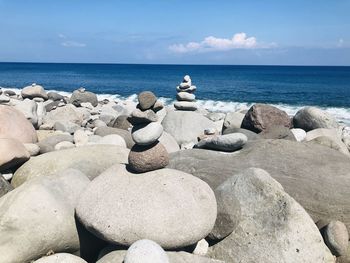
x,y
80,138
185,105
299,134
201,248
146,134
64,145
145,251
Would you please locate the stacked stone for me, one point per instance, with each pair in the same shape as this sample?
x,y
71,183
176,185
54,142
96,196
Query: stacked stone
x,y
148,153
185,97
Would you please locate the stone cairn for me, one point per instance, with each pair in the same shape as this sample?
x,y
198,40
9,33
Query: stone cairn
x,y
185,97
148,153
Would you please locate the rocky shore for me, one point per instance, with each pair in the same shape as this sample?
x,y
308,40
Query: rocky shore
x,y
83,180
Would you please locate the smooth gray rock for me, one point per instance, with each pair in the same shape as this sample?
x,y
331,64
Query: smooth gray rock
x,y
55,96
29,109
334,144
310,118
48,144
38,217
186,126
185,96
229,142
91,160
66,113
60,258
146,134
186,105
112,139
142,117
66,126
233,120
34,91
146,100
169,142
277,132
336,237
79,96
303,169
145,251
167,206
103,131
122,122
274,228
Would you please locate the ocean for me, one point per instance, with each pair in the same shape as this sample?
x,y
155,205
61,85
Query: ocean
x,y
219,88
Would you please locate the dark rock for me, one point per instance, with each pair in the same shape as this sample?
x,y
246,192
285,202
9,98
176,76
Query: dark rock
x,y
55,96
277,132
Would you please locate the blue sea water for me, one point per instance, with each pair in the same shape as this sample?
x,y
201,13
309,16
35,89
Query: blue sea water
x,y
218,87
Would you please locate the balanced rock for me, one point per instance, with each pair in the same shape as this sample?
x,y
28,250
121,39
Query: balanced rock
x,y
81,95
310,118
146,99
274,228
170,207
146,134
262,116
185,105
38,217
12,153
185,96
148,158
91,160
13,124
139,117
34,91
229,142
145,251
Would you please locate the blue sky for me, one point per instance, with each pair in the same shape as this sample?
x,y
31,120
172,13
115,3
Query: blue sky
x,y
298,32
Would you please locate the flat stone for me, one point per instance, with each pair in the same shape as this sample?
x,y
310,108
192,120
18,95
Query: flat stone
x,y
185,105
185,96
229,142
189,90
146,134
139,117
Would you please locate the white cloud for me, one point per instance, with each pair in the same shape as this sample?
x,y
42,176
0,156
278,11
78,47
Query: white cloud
x,y
238,41
73,44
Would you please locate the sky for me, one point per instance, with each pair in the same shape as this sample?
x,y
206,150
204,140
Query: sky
x,y
237,32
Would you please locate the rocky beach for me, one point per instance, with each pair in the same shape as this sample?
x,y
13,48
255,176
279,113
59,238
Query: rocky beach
x,y
84,179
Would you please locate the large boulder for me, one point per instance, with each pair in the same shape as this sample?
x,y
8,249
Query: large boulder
x,y
38,217
34,91
310,118
91,160
261,117
186,126
12,153
81,95
167,206
317,177
61,258
13,124
274,228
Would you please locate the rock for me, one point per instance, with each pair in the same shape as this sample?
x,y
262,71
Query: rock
x,y
158,106
103,131
66,126
185,96
80,138
186,126
262,116
185,105
146,100
79,96
229,142
148,158
187,78
113,139
61,258
140,117
169,142
121,122
277,132
250,135
185,85
98,123
34,91
310,118
91,160
331,133
229,214
189,90
12,153
233,120
346,257
10,93
48,144
273,226
172,208
4,99
146,134
55,96
29,109
38,217
331,143
64,145
304,176
336,237
41,112
299,134
13,124
201,248
66,113
5,186
216,116
145,251
33,149
51,106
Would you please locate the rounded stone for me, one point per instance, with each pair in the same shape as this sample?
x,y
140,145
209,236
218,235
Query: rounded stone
x,y
170,207
336,237
148,158
34,91
229,142
12,153
113,139
146,100
145,251
187,78
146,134
60,258
122,122
185,96
189,90
185,105
80,96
